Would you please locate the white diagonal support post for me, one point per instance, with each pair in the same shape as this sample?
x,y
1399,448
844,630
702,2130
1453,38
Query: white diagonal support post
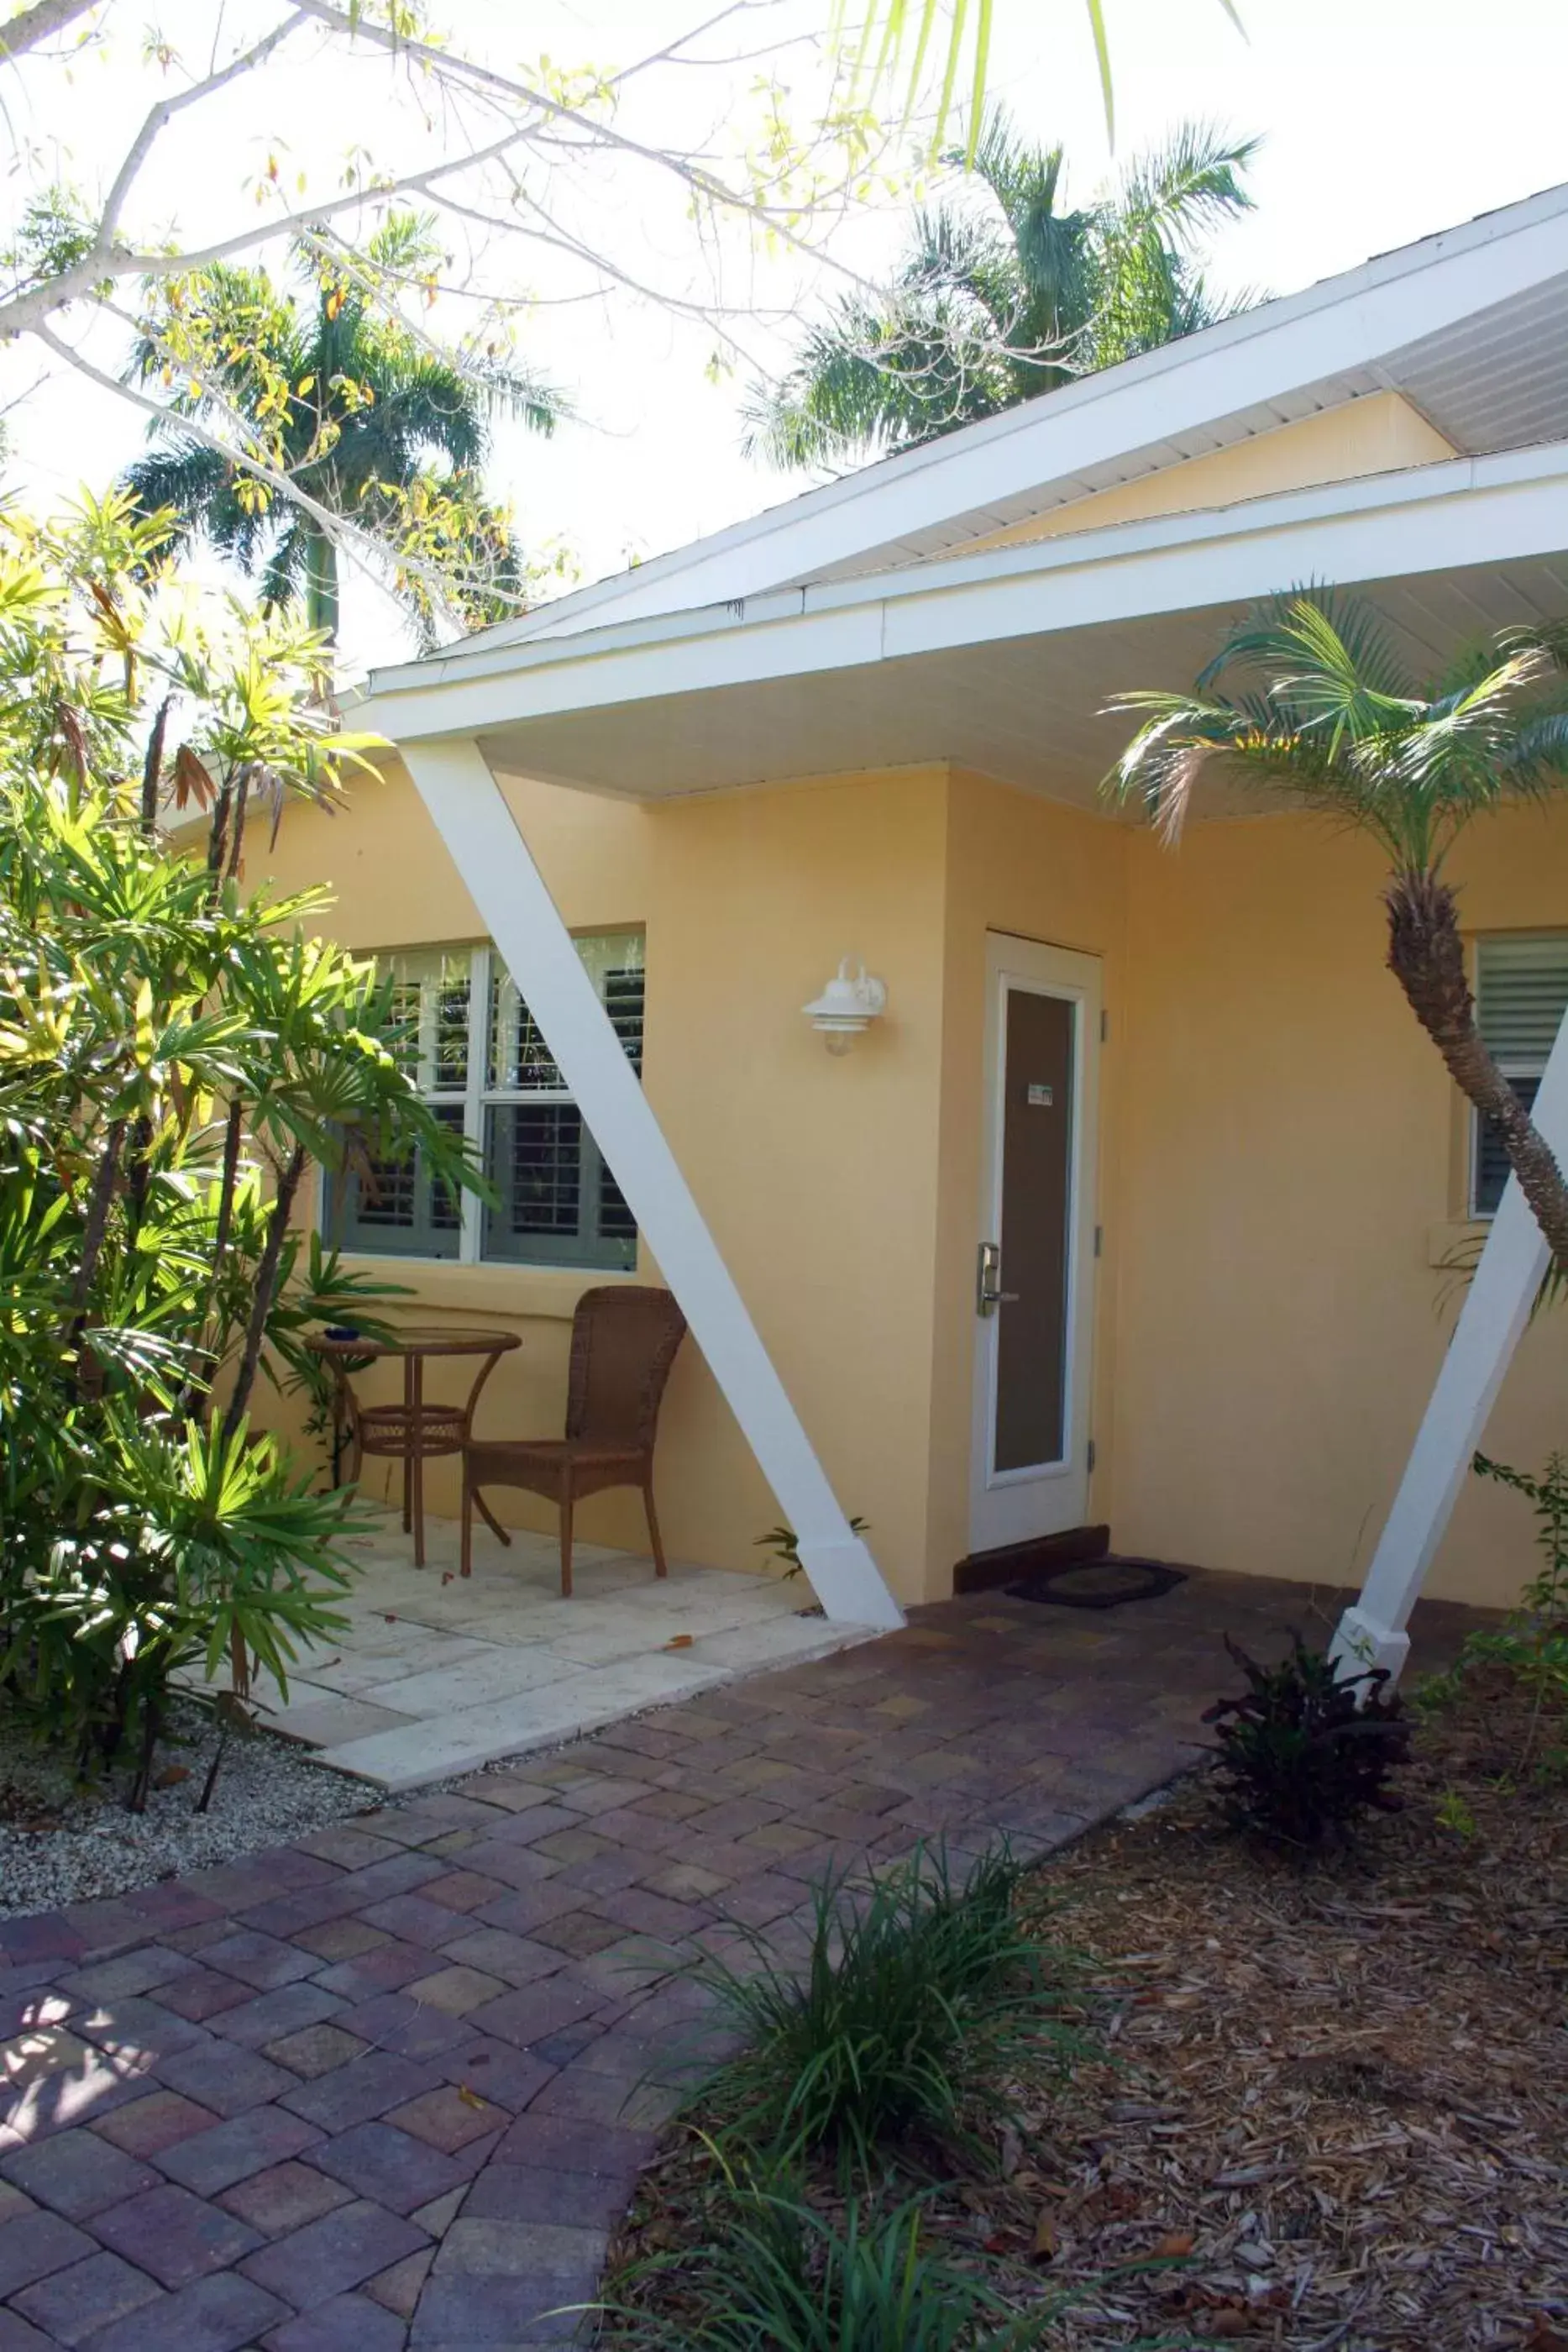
x,y
1501,1294
454,781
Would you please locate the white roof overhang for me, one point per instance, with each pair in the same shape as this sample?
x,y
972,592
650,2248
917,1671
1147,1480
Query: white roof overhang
x,y
1467,325
1000,661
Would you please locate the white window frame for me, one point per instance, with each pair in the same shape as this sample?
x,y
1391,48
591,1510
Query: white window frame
x,y
477,1098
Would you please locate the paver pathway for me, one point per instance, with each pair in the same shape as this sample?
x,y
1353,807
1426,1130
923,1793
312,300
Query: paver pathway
x,y
389,2087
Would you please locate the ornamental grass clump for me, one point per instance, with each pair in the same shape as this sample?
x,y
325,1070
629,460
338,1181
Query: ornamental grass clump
x,y
918,2000
776,2277
1306,1752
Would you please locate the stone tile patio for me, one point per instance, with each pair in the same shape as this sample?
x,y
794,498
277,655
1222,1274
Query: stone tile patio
x,y
439,1673
390,2087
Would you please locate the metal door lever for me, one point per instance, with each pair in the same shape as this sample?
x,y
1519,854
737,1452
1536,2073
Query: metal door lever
x,y
989,1292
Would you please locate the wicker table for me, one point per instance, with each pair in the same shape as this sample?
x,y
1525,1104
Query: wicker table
x,y
413,1431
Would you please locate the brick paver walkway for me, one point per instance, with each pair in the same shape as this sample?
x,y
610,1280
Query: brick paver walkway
x,y
391,2086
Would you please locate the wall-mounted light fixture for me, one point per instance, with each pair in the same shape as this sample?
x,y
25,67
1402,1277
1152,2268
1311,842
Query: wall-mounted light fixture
x,y
846,1008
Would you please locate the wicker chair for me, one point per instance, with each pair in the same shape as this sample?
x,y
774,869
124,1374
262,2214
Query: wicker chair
x,y
623,1342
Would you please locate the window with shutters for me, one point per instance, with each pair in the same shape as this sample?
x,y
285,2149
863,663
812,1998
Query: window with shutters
x,y
481,1063
1521,994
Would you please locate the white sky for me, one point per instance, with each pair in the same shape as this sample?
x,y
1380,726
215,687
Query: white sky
x,y
1384,120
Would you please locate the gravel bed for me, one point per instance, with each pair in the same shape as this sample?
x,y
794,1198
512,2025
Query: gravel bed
x,y
61,1844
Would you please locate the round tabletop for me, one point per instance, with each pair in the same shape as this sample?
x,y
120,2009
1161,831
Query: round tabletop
x,y
416,1340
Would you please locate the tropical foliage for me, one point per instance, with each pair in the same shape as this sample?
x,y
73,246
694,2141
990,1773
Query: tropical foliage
x,y
173,1054
372,425
1009,296
1320,706
531,162
1530,1646
1307,1749
904,37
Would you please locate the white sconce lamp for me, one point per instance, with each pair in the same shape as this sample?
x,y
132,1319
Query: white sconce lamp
x,y
846,1008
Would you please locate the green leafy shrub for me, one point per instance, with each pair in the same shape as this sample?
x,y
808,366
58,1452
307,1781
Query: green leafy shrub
x,y
174,1054
916,1997
780,2277
1532,1645
1306,1751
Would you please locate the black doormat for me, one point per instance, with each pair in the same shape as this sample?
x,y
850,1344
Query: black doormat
x,y
1098,1583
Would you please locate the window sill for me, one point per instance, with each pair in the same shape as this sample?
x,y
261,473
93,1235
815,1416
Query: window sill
x,y
536,1293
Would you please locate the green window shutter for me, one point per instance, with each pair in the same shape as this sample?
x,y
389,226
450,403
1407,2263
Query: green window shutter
x,y
1521,994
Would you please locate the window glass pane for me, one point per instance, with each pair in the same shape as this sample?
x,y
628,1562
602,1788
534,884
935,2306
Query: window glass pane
x,y
518,1061
394,1207
431,990
1491,1168
558,1203
553,1190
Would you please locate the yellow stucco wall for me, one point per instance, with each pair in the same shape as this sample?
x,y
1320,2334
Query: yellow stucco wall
x,y
1379,434
818,1175
1291,1159
1280,1153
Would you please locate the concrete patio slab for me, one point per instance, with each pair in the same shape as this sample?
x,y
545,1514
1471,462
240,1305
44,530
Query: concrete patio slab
x,y
437,1674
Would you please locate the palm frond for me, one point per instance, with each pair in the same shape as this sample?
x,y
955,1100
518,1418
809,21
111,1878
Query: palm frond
x,y
1326,711
1000,302
1314,621
1190,186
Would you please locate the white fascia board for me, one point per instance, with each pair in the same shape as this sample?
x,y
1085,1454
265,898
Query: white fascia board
x,y
1433,519
1352,321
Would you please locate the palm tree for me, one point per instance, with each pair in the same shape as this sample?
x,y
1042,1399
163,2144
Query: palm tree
x,y
366,418
1331,716
998,301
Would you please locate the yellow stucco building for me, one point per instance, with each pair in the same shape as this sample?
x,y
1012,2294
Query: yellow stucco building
x,y
1178,1089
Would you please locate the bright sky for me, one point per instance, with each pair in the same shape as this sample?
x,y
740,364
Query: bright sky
x,y
1383,120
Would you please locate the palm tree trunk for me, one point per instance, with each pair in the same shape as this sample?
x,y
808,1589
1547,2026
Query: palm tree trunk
x,y
321,584
1427,957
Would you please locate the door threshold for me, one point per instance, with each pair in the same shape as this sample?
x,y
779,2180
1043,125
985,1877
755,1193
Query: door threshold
x,y
983,1571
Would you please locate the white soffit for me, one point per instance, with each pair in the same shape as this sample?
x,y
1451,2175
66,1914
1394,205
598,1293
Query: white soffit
x,y
1468,325
1002,660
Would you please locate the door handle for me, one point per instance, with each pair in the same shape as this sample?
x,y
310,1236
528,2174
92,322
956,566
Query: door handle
x,y
989,1292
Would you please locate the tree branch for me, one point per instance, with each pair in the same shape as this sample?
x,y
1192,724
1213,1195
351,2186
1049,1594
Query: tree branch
x,y
40,22
337,526
159,118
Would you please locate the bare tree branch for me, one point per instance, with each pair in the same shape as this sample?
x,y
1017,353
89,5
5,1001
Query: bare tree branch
x,y
160,116
40,22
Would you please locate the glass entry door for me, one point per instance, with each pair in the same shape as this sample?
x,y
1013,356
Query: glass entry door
x,y
1034,1267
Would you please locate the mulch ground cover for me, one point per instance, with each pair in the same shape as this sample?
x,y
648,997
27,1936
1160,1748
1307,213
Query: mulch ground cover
x,y
1329,2106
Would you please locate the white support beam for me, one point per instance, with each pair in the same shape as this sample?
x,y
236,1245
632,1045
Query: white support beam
x,y
471,814
1496,1311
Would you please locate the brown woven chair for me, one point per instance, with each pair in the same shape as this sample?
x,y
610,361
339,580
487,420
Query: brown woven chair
x,y
624,1341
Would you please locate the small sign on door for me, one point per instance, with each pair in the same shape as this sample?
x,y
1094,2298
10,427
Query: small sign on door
x,y
1041,1097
